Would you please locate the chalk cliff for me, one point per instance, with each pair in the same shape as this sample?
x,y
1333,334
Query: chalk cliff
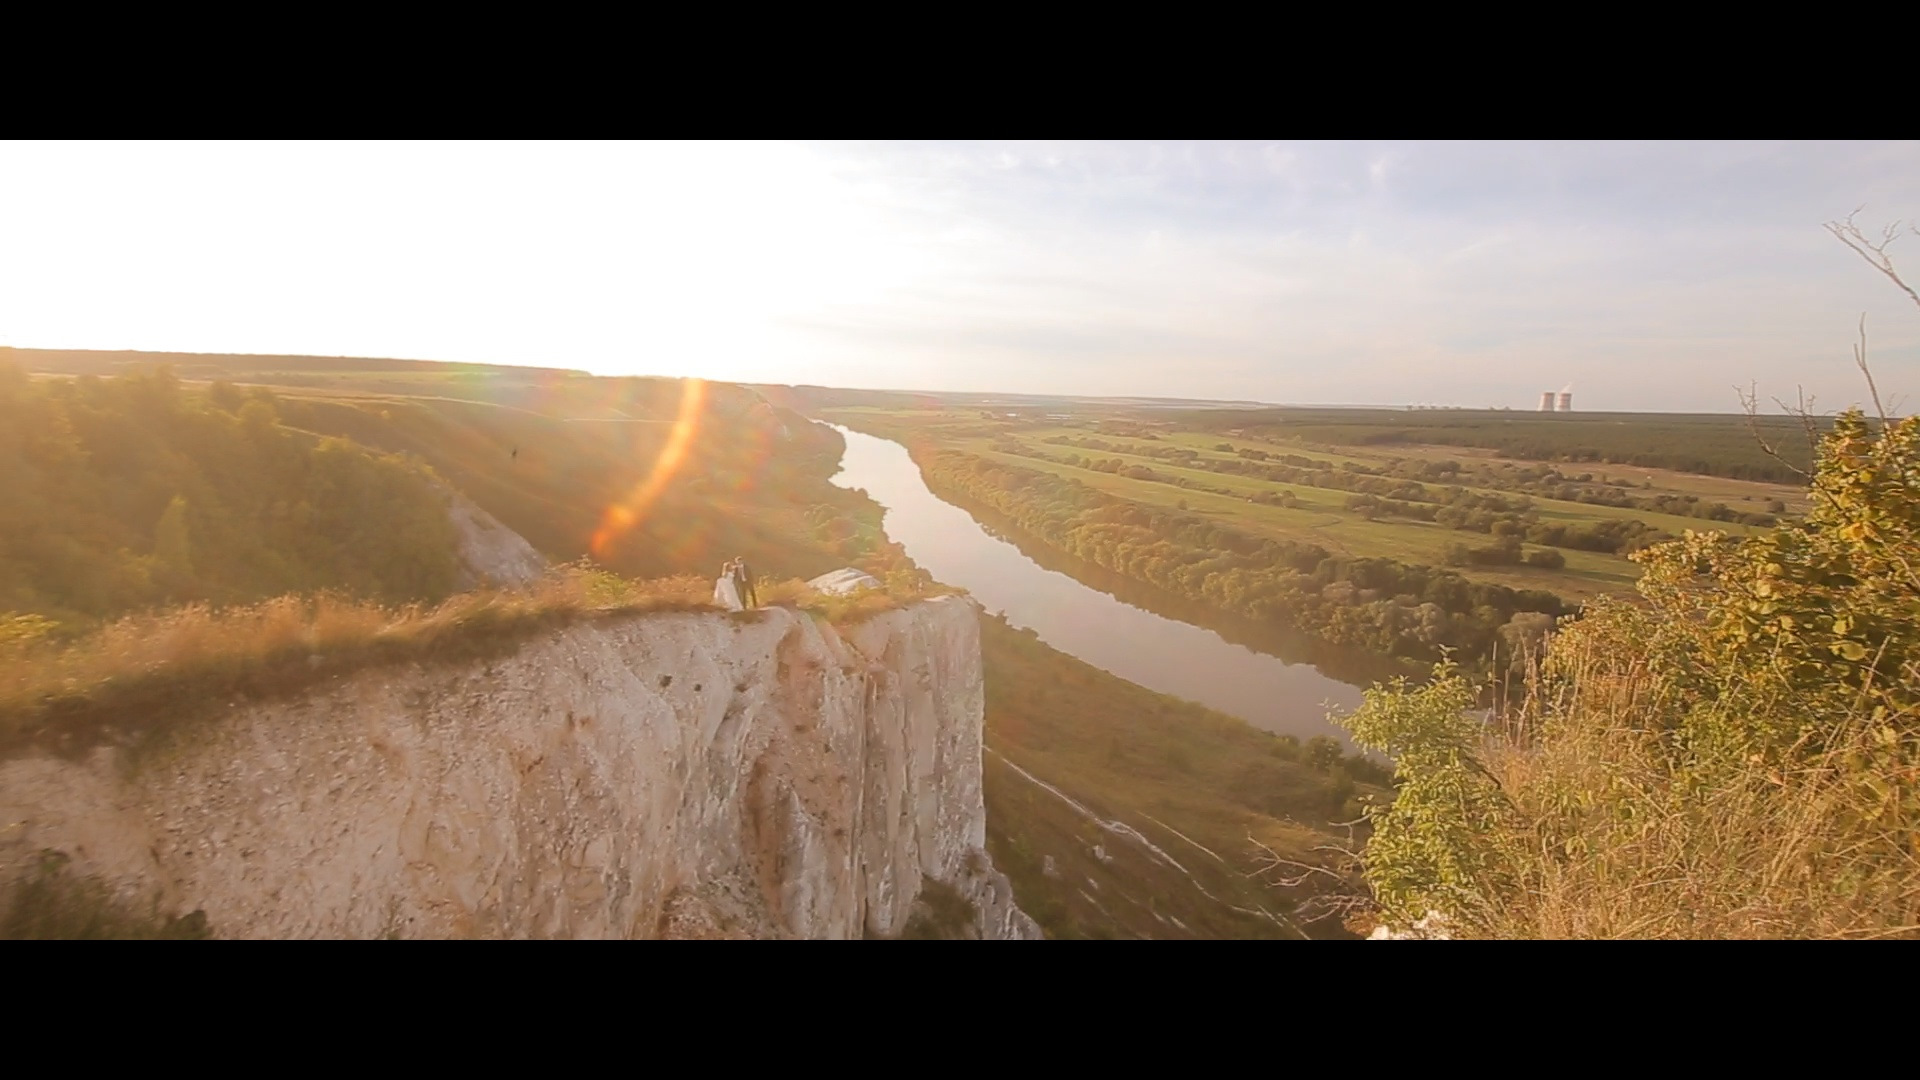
x,y
489,553
761,775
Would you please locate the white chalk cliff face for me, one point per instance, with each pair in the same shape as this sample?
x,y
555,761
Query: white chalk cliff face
x,y
667,775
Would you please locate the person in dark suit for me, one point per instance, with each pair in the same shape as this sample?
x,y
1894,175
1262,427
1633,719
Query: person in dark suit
x,y
748,595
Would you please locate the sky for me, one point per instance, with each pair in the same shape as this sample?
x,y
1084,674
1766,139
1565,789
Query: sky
x,y
1643,276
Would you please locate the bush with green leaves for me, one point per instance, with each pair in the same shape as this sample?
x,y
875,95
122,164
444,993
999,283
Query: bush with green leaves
x,y
1736,755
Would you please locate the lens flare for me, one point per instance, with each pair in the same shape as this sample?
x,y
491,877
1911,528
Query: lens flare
x,y
621,517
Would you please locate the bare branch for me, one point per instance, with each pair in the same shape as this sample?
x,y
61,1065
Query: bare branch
x,y
1875,253
1346,898
1750,404
1802,409
1860,360
1305,871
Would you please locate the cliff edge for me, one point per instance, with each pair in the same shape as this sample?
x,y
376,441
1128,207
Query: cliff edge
x,y
686,775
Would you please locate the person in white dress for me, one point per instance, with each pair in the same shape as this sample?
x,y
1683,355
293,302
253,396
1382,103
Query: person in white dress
x,y
726,591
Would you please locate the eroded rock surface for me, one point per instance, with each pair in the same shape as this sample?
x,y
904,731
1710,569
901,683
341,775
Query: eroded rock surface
x,y
667,775
490,553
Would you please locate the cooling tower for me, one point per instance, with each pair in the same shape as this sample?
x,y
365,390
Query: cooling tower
x,y
1546,401
1566,401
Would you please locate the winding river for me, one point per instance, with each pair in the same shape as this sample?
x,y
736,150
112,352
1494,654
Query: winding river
x,y
1161,653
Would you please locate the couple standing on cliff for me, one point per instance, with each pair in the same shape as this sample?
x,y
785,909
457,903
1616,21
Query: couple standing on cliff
x,y
734,591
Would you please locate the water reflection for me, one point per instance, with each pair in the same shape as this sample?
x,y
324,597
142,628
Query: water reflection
x,y
1163,654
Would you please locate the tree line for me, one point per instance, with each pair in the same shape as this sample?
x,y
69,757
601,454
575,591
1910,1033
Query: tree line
x,y
1452,507
132,491
1406,480
1373,603
1706,445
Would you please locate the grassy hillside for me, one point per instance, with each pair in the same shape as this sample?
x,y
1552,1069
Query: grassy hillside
x,y
133,491
269,368
703,474
284,487
745,481
1205,789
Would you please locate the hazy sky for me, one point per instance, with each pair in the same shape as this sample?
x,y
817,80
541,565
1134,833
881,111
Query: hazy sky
x,y
1647,276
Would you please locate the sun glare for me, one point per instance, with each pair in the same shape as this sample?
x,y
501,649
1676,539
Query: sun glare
x,y
621,517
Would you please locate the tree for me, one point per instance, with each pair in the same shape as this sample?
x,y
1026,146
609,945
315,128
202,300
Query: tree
x,y
226,396
259,417
1323,752
172,548
1546,558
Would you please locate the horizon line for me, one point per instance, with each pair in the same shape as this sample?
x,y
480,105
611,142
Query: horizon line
x,y
1245,403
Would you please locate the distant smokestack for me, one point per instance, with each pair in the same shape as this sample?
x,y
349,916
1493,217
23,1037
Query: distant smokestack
x,y
1546,401
1566,401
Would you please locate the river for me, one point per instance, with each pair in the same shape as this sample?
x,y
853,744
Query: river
x,y
1163,654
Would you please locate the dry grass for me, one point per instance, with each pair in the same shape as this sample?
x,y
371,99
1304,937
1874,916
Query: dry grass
x,y
142,671
1210,790
854,608
1614,832
846,609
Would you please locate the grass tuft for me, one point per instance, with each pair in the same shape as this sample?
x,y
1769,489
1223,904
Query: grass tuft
x,y
940,914
1609,839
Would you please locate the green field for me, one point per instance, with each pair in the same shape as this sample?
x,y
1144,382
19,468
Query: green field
x,y
1716,488
1721,445
1320,515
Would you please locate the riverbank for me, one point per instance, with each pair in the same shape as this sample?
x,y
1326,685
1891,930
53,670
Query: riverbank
x,y
1162,654
1355,667
1120,813
1119,803
1419,613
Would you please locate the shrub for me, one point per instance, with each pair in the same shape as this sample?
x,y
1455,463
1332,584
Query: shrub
x,y
1738,756
1546,559
940,913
